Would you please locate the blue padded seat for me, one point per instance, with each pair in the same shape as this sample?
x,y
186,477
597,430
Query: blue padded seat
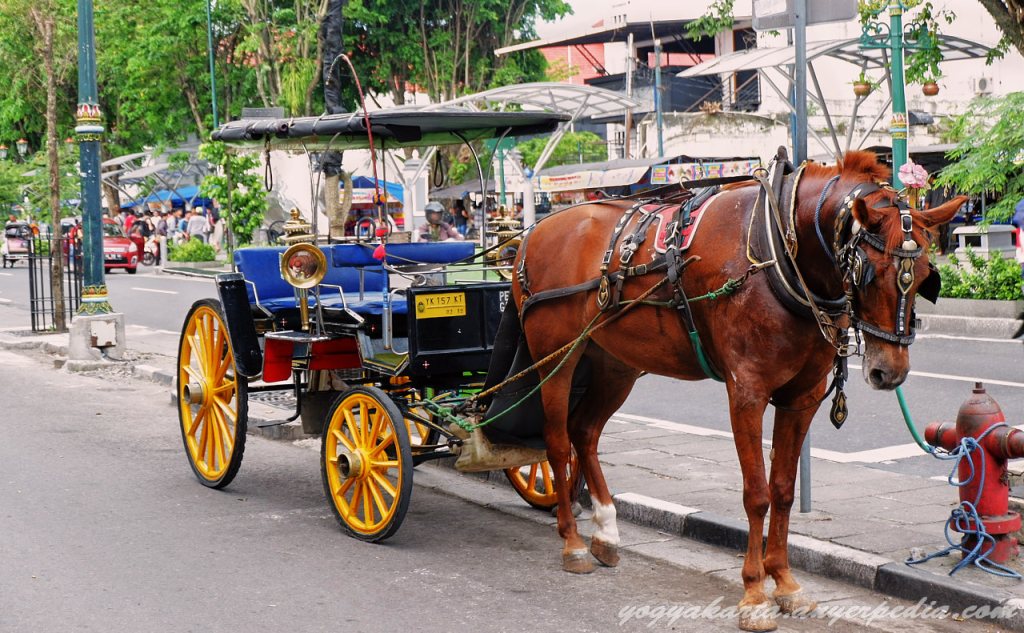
x,y
262,267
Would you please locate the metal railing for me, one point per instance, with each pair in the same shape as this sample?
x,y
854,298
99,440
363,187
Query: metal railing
x,y
42,302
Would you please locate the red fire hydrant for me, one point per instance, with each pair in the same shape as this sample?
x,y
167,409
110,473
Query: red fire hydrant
x,y
989,487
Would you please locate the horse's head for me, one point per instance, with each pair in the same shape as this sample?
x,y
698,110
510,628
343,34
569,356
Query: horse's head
x,y
885,264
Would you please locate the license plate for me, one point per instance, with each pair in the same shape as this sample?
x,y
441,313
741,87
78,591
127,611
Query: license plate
x,y
109,255
445,304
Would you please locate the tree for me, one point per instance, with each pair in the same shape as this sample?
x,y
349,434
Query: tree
x,y
990,154
245,201
1009,17
575,147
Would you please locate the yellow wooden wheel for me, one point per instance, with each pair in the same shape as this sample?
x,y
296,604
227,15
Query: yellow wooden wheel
x,y
535,483
212,400
366,463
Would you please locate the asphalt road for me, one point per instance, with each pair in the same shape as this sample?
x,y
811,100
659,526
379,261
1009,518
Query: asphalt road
x,y
105,529
943,373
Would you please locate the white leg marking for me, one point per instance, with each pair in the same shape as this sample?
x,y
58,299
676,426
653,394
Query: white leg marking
x,y
604,518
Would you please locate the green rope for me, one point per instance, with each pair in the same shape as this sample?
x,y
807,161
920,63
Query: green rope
x,y
447,414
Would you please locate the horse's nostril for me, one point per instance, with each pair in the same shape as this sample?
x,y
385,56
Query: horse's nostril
x,y
878,377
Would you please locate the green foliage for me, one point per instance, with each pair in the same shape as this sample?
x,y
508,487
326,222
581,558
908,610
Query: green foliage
x,y
717,19
194,250
245,208
575,147
994,278
990,156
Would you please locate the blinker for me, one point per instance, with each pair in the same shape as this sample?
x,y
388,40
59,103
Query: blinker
x,y
931,285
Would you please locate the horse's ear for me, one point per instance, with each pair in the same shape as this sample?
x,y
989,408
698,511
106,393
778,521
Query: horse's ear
x,y
869,218
942,213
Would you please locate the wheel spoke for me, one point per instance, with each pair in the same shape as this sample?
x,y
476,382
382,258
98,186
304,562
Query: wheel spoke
x,y
368,516
341,437
385,464
378,500
225,430
203,440
353,506
362,438
227,412
531,481
549,486
218,441
196,419
339,494
384,483
388,441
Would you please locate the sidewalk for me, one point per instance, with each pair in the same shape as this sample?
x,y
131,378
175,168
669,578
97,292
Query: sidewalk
x,y
864,522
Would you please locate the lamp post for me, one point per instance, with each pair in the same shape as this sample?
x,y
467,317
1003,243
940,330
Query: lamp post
x,y
22,146
89,129
891,36
3,152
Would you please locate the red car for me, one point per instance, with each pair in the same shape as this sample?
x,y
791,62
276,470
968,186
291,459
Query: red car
x,y
120,251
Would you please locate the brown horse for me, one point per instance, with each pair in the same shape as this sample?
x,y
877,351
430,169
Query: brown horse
x,y
854,248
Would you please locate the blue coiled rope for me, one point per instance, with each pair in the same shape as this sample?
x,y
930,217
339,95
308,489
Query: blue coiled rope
x,y
965,518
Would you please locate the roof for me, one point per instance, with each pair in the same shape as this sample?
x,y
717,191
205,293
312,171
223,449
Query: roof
x,y
580,101
644,33
953,48
623,172
406,126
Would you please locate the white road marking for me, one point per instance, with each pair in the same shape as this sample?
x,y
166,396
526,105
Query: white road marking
x,y
163,292
6,301
971,338
7,274
870,456
987,381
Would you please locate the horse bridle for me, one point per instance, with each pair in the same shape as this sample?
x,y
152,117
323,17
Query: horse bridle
x,y
857,270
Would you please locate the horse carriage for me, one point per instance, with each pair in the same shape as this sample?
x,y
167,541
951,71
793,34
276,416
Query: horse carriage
x,y
367,345
767,285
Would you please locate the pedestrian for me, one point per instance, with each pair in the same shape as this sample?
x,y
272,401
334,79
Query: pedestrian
x,y
217,236
458,211
198,225
1018,222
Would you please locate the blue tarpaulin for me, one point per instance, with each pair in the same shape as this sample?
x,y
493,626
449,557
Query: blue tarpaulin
x,y
177,197
394,190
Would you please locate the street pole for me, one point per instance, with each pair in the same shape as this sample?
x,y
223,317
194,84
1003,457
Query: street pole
x,y
874,36
799,156
657,96
89,129
213,77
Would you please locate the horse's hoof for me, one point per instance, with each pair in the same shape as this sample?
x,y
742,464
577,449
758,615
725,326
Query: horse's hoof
x,y
577,562
606,554
757,617
797,604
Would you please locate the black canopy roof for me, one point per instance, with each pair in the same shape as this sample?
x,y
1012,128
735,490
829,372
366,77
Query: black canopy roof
x,y
407,126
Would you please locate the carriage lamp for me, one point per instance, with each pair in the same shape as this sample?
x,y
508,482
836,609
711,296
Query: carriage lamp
x,y
3,152
22,146
303,266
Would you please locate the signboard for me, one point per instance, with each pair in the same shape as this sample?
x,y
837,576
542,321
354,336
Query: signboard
x,y
446,304
778,14
672,174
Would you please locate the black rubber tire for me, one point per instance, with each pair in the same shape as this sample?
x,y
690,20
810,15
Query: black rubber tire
x,y
202,309
132,271
335,481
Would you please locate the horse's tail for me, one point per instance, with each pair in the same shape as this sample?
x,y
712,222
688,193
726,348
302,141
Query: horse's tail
x,y
506,342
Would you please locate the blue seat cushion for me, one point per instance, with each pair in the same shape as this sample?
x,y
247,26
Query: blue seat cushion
x,y
262,267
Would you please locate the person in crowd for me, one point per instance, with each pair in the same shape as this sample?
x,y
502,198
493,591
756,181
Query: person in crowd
x,y
198,225
434,229
461,216
1018,222
129,221
217,234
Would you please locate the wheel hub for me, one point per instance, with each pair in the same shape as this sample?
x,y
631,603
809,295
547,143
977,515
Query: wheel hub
x,y
350,464
194,393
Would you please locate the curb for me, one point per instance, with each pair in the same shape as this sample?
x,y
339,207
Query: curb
x,y
979,327
825,558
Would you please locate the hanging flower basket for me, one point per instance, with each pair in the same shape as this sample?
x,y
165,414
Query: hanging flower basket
x,y
861,89
930,89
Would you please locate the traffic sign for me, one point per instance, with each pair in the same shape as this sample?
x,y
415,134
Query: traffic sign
x,y
778,14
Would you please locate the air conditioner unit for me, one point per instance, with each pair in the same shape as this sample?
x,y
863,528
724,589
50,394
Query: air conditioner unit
x,y
981,85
